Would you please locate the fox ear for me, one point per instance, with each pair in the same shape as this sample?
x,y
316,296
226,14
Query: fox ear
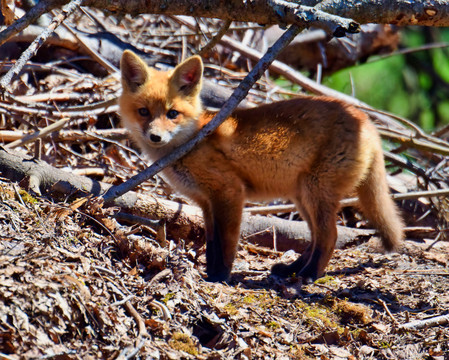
x,y
187,76
134,71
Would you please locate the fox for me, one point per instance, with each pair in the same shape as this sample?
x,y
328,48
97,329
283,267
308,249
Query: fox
x,y
311,150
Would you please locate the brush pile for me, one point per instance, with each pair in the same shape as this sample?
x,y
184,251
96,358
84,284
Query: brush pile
x,y
80,280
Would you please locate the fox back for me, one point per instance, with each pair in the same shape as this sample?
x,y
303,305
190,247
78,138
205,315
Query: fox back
x,y
311,150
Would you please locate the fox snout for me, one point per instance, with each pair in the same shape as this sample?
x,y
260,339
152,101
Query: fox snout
x,y
157,137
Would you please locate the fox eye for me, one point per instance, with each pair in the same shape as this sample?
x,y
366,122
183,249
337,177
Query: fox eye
x,y
143,111
172,114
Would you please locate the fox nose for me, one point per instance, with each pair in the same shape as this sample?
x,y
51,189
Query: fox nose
x,y
155,138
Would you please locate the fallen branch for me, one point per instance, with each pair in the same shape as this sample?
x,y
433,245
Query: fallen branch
x,y
398,12
31,16
419,324
7,136
282,209
258,11
37,43
182,221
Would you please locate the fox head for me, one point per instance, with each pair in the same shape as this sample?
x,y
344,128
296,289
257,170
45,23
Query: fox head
x,y
160,108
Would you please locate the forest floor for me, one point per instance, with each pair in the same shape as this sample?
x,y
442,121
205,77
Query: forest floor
x,y
67,291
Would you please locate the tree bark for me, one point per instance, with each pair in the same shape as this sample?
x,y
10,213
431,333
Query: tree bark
x,y
395,12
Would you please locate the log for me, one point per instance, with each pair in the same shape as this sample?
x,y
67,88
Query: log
x,y
182,221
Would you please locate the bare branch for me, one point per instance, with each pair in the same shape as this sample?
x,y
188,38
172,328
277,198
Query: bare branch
x,y
31,16
37,43
259,11
216,38
419,324
396,12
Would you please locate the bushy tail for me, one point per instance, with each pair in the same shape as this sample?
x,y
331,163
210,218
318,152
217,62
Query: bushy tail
x,y
378,207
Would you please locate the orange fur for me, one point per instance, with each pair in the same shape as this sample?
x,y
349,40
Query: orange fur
x,y
311,150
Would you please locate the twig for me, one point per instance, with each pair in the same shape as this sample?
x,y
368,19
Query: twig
x,y
420,133
137,318
121,302
159,276
32,15
37,43
436,240
127,353
70,74
39,134
403,163
71,135
162,308
406,122
278,209
216,38
419,324
237,96
428,272
68,112
441,148
387,310
131,310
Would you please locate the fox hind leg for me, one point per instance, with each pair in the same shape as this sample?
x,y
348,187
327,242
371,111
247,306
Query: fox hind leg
x,y
319,209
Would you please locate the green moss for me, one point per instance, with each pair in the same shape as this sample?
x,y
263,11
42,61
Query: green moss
x,y
27,197
273,325
168,297
249,299
384,344
231,309
325,280
183,342
300,353
261,300
317,314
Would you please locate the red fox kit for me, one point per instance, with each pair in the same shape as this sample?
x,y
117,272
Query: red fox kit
x,y
311,150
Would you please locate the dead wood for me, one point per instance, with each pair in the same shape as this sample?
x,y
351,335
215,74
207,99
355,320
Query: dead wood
x,y
337,53
419,324
182,221
398,12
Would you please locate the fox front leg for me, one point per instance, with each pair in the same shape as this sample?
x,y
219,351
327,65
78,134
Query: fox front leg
x,y
222,220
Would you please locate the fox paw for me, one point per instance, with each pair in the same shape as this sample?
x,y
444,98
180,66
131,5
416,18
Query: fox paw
x,y
219,277
282,270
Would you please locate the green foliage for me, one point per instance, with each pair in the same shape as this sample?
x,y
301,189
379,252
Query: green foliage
x,y
373,83
413,85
